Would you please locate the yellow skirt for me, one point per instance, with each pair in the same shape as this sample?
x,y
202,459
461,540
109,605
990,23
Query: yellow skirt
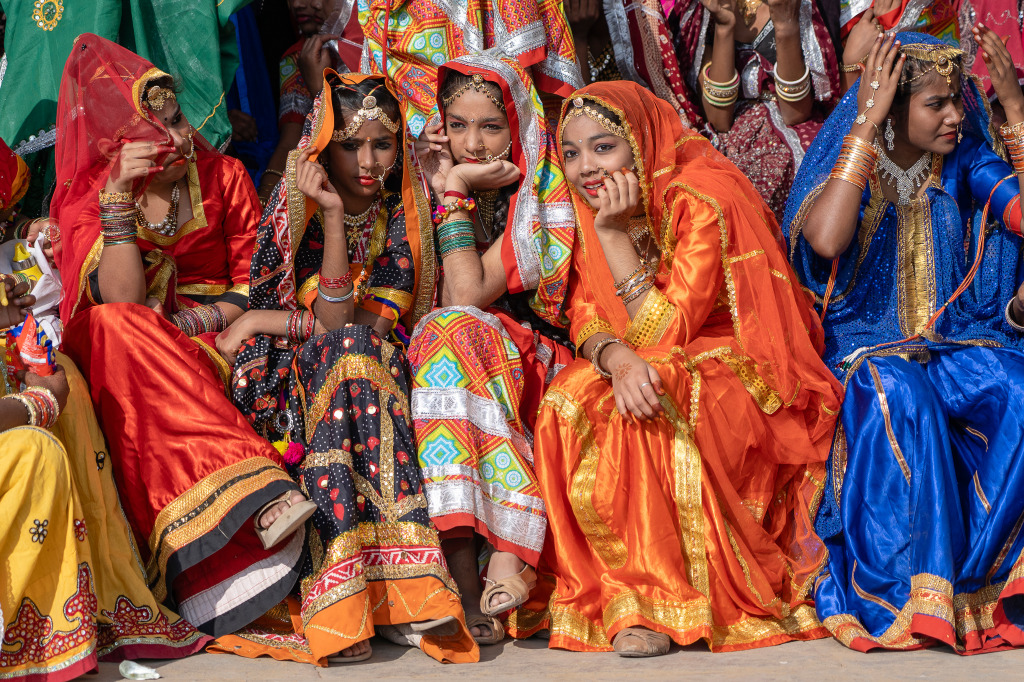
x,y
72,586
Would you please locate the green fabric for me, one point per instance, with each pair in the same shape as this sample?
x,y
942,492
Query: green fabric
x,y
192,40
36,56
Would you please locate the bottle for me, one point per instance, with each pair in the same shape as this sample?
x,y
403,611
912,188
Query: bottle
x,y
24,264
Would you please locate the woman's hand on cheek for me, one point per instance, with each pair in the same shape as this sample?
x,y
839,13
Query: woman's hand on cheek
x,y
619,199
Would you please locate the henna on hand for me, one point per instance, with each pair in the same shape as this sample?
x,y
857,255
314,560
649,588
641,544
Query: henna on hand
x,y
623,369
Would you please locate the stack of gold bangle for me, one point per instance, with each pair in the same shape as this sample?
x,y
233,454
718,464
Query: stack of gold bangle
x,y
635,284
720,94
1013,138
856,162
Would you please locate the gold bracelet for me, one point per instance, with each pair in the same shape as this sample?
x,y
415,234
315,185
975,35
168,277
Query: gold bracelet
x,y
851,68
116,197
855,163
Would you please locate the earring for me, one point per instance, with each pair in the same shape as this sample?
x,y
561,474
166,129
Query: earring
x,y
960,133
890,135
191,156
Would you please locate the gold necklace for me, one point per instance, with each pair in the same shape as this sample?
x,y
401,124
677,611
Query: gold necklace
x,y
356,228
486,201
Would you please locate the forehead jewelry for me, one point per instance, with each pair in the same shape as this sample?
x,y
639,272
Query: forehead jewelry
x,y
943,57
581,108
477,83
158,96
369,112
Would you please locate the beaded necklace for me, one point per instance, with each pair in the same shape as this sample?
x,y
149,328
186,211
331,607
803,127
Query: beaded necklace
x,y
169,225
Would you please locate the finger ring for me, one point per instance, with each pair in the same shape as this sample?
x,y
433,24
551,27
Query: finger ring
x,y
646,383
878,68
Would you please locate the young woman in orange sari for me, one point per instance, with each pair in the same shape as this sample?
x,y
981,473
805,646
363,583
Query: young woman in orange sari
x,y
681,456
208,500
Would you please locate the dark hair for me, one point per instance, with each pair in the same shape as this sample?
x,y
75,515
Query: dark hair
x,y
455,81
348,98
915,76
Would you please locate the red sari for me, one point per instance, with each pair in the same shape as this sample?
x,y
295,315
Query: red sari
x,y
698,524
190,470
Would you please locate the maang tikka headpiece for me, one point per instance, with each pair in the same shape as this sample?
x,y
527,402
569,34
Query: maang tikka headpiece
x,y
581,108
480,85
158,96
944,57
370,111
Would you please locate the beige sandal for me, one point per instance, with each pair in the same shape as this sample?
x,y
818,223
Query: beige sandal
x,y
638,642
285,524
489,622
517,586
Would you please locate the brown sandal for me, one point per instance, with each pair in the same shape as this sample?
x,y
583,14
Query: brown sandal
x,y
517,586
489,622
287,523
639,642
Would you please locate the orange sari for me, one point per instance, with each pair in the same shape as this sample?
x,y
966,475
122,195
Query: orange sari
x,y
698,524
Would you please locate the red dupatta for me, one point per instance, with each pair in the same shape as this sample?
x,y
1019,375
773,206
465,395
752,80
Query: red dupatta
x,y
99,108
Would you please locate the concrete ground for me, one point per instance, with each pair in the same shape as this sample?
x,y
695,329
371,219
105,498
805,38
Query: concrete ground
x,y
530,660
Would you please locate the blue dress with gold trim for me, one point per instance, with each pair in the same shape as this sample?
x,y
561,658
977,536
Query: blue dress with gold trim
x,y
922,511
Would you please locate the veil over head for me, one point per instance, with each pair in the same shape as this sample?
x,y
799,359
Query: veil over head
x,y
680,173
100,107
539,232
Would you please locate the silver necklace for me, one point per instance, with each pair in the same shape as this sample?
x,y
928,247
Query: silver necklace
x,y
169,225
906,182
360,219
595,67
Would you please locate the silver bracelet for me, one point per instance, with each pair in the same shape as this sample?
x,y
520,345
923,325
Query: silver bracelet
x,y
1009,318
336,299
595,355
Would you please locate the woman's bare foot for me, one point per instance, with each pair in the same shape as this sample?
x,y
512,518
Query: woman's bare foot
x,y
502,565
357,649
461,556
272,514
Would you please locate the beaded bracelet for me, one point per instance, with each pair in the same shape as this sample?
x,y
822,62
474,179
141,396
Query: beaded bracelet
x,y
336,282
720,94
855,163
1013,138
595,354
444,210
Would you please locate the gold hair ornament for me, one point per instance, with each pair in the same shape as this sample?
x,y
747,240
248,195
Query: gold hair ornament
x,y
580,108
158,96
479,84
944,58
369,112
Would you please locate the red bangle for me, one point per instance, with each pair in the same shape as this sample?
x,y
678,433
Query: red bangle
x,y
336,282
453,193
307,331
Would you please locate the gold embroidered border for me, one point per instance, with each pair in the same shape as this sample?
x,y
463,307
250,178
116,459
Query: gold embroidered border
x,y
592,327
915,274
752,630
201,508
348,368
867,596
649,324
200,289
678,616
608,546
223,368
978,434
745,370
884,404
981,493
746,573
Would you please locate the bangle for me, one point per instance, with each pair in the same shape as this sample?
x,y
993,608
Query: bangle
x,y
116,198
1013,138
792,91
720,94
335,299
336,282
307,329
856,162
453,193
293,328
454,236
595,355
851,68
271,171
638,292
201,319
41,405
1009,318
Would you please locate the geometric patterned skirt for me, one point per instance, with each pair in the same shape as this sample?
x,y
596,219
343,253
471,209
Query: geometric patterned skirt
x,y
478,377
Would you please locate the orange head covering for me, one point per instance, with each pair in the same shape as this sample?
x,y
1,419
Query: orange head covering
x,y
13,178
686,183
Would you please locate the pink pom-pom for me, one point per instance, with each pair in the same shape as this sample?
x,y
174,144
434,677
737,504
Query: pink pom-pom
x,y
294,453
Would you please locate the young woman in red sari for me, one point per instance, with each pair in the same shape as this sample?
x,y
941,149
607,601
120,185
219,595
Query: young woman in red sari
x,y
209,501
681,456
